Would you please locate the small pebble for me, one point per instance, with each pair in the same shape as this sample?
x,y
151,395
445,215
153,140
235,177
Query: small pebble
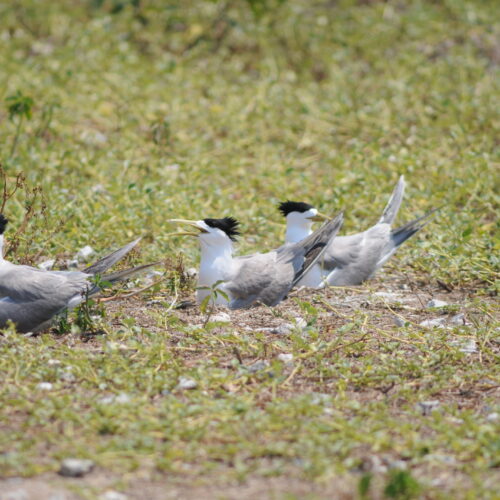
x,y
432,323
389,296
436,303
67,376
44,386
121,398
458,319
221,317
258,366
72,264
397,464
47,265
53,362
283,329
75,467
285,358
398,321
112,495
84,253
186,383
469,348
427,407
492,417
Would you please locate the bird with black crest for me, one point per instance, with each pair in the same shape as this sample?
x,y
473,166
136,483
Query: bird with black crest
x,y
260,278
350,260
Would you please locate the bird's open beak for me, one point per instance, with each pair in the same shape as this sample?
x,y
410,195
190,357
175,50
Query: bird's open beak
x,y
319,217
191,223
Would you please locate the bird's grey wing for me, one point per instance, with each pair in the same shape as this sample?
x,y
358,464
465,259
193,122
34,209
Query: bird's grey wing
x,y
308,252
353,259
26,283
253,281
267,278
31,296
110,260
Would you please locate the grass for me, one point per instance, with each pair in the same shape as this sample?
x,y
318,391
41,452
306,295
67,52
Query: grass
x,y
225,108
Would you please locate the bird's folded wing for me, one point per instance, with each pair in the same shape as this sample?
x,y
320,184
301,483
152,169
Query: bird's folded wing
x,y
23,283
253,280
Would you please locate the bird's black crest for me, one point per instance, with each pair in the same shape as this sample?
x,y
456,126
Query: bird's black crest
x,y
287,207
228,224
3,223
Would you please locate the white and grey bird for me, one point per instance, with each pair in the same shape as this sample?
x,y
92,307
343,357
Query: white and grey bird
x,y
31,297
264,278
350,260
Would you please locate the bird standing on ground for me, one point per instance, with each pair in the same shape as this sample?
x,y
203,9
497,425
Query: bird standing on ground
x,y
31,297
264,278
350,260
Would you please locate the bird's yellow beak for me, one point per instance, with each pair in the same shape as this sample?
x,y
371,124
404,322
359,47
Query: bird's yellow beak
x,y
319,217
191,223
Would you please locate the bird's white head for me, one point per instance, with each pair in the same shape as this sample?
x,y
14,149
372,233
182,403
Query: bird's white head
x,y
299,219
212,233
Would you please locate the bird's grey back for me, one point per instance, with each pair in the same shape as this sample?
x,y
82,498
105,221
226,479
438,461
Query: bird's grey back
x,y
268,278
353,259
30,297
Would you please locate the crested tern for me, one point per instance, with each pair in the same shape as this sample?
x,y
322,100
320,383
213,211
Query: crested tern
x,y
31,297
350,260
264,278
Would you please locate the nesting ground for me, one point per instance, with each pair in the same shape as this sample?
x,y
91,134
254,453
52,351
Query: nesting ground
x,y
121,115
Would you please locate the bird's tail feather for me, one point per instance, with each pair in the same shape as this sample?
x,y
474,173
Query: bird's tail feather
x,y
121,275
110,260
316,243
401,234
392,207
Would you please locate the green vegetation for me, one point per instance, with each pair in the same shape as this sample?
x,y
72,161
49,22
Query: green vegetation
x,y
122,114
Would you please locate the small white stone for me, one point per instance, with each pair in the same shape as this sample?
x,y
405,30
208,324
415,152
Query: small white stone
x,y
67,376
432,323
186,383
283,329
258,366
84,253
458,319
221,317
112,495
492,417
53,362
398,321
469,348
44,386
121,398
285,357
436,303
47,265
75,467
